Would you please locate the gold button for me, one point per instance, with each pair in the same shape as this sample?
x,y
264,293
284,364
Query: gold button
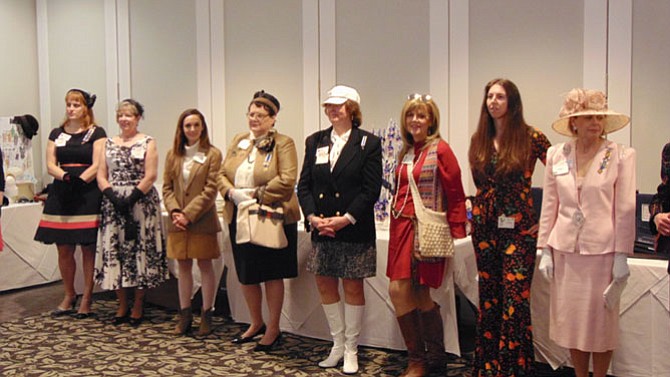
x,y
337,194
337,213
321,196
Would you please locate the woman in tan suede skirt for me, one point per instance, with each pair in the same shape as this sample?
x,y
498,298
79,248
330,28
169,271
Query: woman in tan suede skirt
x,y
189,193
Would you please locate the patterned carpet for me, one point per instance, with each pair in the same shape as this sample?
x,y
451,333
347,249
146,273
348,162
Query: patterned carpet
x,y
45,346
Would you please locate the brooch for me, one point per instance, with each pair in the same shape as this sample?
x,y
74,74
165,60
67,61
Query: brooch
x,y
605,161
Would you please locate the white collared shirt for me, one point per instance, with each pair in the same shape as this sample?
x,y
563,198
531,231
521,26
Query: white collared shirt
x,y
338,144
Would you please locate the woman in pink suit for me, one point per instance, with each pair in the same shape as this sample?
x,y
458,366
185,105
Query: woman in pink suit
x,y
587,229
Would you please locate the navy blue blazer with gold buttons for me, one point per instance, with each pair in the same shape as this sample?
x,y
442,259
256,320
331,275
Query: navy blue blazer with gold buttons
x,y
352,187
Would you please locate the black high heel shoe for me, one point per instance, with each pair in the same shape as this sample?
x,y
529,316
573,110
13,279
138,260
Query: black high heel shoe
x,y
241,339
86,315
119,320
135,322
58,312
268,347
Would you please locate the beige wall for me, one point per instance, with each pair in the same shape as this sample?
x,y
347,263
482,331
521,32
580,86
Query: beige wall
x,y
383,51
18,67
162,66
385,48
527,41
263,50
651,81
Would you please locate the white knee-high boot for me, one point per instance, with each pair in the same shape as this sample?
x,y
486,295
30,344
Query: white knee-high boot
x,y
335,316
353,319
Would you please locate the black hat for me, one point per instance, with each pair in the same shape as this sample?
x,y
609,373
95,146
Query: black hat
x,y
28,123
88,98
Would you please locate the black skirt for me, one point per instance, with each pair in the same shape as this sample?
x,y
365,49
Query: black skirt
x,y
71,213
256,264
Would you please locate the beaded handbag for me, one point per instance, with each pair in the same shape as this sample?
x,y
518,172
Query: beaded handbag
x,y
433,231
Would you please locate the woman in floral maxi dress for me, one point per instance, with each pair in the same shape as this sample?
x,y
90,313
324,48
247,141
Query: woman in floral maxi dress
x,y
503,153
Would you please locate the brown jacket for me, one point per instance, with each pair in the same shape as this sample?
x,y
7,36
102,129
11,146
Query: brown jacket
x,y
197,198
276,174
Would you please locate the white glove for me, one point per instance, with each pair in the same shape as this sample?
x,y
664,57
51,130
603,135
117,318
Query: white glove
x,y
546,266
620,271
612,294
240,195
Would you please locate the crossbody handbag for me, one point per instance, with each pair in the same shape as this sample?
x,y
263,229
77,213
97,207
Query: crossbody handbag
x,y
433,231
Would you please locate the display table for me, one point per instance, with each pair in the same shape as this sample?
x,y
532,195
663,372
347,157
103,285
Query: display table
x,y
644,323
25,262
302,313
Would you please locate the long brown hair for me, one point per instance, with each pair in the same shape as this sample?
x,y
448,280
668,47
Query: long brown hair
x,y
513,144
180,138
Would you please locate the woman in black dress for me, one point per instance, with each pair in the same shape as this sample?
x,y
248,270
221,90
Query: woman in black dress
x,y
72,210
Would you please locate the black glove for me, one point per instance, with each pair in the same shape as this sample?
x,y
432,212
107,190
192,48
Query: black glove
x,y
134,196
119,204
130,228
76,181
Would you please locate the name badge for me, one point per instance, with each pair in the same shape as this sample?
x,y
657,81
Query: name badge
x,y
62,139
137,152
244,144
322,155
561,168
199,158
505,222
408,159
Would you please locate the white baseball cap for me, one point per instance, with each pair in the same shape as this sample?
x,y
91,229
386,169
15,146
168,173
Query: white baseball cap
x,y
340,94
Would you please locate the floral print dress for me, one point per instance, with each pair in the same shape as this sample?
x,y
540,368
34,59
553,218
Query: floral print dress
x,y
122,263
505,261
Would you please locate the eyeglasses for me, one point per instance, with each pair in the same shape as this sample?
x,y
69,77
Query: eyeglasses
x,y
259,116
420,97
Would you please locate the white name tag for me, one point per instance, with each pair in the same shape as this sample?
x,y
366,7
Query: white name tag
x,y
137,152
62,139
561,168
199,158
244,144
322,155
505,222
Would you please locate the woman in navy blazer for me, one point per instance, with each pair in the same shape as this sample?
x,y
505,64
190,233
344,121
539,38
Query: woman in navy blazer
x,y
339,184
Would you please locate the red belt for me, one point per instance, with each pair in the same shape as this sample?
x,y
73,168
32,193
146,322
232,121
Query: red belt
x,y
74,165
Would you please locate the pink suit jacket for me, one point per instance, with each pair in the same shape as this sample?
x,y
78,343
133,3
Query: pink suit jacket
x,y
607,201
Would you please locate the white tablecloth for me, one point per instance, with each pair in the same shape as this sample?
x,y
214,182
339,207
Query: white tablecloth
x,y
25,262
302,313
644,323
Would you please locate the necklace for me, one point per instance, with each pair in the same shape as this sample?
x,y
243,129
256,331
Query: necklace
x,y
394,213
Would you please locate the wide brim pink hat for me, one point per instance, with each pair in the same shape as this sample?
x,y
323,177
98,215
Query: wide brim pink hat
x,y
580,102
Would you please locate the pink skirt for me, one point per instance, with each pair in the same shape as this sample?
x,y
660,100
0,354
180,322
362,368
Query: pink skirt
x,y
579,319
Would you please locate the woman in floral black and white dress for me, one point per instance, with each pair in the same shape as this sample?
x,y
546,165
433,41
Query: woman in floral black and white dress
x,y
131,245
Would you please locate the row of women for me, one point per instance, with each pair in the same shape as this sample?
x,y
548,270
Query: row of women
x,y
584,234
